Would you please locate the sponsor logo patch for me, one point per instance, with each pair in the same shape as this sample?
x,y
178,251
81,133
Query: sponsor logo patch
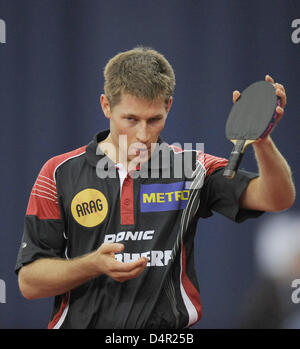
x,y
164,197
130,235
89,207
156,258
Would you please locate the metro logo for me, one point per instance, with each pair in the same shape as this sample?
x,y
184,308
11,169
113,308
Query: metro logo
x,y
164,197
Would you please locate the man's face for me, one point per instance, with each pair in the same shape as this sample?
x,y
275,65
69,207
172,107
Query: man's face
x,y
140,120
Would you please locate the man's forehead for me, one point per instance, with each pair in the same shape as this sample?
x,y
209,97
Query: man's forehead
x,y
126,96
133,103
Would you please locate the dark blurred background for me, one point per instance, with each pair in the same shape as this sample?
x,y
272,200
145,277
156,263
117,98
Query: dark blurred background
x,y
51,77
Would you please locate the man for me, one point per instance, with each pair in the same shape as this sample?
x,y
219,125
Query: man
x,y
109,227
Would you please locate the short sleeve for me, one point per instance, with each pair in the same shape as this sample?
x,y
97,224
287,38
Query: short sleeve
x,y
43,235
221,195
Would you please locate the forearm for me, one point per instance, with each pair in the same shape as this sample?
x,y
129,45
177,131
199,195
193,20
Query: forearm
x,y
50,276
273,190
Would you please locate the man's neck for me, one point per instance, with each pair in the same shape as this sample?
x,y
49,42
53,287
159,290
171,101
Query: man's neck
x,y
109,148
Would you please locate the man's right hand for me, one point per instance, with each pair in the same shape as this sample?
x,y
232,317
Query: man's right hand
x,y
47,277
105,262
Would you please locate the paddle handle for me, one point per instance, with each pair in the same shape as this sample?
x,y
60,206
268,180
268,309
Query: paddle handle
x,y
235,159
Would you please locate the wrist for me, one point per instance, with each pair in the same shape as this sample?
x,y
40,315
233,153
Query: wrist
x,y
263,143
88,264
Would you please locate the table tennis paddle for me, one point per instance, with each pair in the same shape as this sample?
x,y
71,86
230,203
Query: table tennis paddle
x,y
253,116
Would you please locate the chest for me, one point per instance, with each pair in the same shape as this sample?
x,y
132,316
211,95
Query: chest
x,y
142,213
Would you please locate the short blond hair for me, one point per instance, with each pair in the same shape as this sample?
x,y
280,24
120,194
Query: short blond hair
x,y
141,72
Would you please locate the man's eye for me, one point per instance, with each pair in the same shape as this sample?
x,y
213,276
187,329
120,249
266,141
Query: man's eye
x,y
154,120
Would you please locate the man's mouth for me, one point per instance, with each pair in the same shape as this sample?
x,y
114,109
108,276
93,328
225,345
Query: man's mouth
x,y
142,149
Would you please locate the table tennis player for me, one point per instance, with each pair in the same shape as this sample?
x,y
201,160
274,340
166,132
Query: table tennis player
x,y
109,228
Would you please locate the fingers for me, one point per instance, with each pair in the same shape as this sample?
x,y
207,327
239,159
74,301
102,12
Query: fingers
x,y
235,95
280,112
117,270
108,248
125,271
122,276
269,78
128,267
280,91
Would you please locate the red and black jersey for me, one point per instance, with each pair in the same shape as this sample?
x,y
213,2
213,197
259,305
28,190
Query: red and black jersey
x,y
81,199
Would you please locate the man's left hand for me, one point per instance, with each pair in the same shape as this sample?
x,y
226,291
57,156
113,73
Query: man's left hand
x,y
280,91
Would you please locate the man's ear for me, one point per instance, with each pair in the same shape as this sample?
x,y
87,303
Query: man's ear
x,y
105,106
169,104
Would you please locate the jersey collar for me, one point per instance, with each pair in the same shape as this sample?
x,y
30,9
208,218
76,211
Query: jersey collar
x,y
160,159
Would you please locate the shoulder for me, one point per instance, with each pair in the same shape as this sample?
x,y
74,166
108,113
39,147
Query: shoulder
x,y
209,162
50,167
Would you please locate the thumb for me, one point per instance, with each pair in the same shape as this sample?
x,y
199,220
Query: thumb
x,y
111,247
235,95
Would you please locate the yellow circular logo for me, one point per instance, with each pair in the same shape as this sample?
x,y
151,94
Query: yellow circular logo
x,y
89,207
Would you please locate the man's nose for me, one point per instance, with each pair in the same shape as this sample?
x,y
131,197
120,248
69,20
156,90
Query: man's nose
x,y
143,135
